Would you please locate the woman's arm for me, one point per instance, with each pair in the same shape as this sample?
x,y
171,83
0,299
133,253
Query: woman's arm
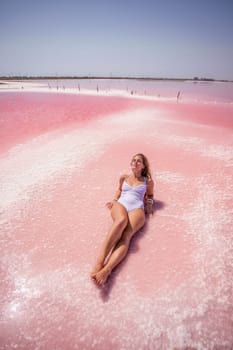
x,y
118,192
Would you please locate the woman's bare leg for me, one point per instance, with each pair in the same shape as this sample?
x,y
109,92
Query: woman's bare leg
x,y
136,221
120,220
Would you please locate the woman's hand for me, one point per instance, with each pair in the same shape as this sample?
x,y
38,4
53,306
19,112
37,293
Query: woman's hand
x,y
149,209
149,206
109,205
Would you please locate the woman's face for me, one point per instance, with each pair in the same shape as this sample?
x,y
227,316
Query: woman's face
x,y
137,163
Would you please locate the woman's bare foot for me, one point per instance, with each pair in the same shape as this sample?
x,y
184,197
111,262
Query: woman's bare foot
x,y
102,276
96,269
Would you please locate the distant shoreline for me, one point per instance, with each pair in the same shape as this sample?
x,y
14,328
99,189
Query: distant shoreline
x,y
196,79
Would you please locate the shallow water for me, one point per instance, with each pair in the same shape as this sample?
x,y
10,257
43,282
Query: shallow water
x,y
59,167
188,90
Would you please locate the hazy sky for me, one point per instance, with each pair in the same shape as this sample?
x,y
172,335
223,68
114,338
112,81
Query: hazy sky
x,y
165,38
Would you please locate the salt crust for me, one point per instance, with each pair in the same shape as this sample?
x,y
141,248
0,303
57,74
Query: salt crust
x,y
160,321
48,155
45,156
164,320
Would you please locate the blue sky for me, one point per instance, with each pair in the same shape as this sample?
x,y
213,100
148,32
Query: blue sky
x,y
165,38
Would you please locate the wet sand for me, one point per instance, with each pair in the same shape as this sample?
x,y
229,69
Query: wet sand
x,y
61,158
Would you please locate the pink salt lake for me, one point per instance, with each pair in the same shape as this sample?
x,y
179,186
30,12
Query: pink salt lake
x,y
61,158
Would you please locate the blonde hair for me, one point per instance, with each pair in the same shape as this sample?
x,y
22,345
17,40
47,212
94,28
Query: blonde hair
x,y
146,171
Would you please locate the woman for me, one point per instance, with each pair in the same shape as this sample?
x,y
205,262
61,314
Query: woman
x,y
133,198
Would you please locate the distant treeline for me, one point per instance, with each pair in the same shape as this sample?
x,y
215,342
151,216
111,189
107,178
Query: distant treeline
x,y
26,77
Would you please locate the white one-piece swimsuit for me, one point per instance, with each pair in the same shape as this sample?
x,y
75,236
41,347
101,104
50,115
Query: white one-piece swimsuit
x,y
132,197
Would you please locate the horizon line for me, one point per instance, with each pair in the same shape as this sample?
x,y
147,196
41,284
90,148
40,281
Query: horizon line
x,y
25,77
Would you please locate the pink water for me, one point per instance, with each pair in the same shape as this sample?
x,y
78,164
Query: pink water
x,y
190,91
61,157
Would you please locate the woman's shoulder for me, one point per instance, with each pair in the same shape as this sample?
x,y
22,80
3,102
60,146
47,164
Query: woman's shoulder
x,y
149,181
123,177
